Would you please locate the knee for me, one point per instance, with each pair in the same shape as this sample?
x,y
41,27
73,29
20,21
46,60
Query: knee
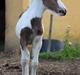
x,y
25,60
25,56
34,63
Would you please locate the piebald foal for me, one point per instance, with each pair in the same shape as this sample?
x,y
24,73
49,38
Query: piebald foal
x,y
29,30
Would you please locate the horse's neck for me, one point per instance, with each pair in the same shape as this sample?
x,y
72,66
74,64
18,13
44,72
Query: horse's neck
x,y
36,8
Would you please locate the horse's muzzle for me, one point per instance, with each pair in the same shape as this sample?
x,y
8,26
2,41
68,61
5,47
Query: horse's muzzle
x,y
63,12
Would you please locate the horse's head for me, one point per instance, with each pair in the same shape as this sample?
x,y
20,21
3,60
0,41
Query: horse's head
x,y
56,7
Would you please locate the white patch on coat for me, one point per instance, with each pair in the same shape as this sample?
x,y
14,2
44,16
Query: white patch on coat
x,y
61,5
36,47
25,59
36,9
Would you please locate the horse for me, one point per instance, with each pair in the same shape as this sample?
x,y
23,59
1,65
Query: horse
x,y
29,30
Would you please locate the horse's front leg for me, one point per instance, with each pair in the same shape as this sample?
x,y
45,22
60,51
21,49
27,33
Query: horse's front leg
x,y
25,59
24,41
37,43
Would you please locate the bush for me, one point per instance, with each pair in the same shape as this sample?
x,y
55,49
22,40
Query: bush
x,y
70,51
67,53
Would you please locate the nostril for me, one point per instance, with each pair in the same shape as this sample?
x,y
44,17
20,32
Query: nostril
x,y
62,11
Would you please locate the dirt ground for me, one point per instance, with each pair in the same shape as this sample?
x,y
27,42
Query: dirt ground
x,y
46,67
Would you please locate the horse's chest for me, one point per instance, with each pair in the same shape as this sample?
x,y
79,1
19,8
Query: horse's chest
x,y
29,34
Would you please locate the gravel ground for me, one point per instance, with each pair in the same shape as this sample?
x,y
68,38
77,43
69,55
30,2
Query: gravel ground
x,y
46,67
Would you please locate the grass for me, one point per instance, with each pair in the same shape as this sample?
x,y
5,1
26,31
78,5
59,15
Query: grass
x,y
69,52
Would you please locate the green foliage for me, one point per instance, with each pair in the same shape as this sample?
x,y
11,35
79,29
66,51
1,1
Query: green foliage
x,y
70,51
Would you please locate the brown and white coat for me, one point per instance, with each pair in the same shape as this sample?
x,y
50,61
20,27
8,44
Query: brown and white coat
x,y
29,30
